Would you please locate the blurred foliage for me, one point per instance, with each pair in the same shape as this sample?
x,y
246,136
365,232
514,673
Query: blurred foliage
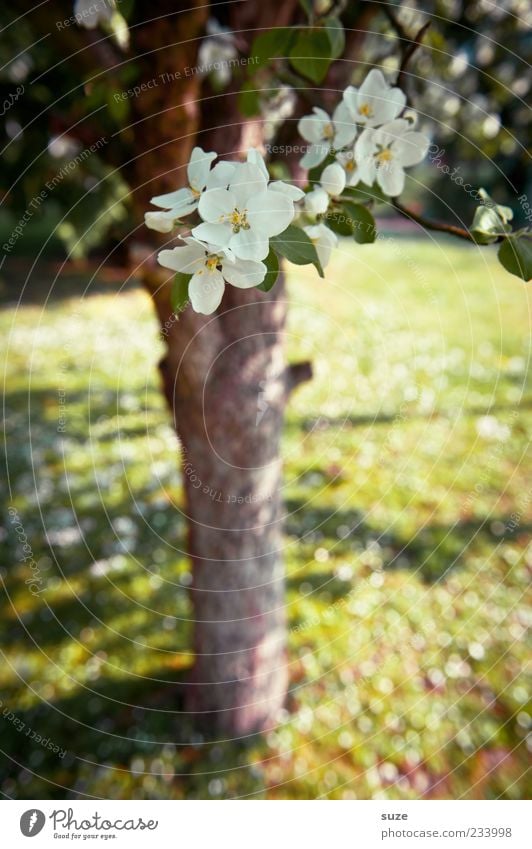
x,y
469,81
407,542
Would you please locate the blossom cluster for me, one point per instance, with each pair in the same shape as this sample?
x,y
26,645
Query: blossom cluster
x,y
368,139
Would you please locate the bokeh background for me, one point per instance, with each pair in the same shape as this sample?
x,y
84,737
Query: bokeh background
x,y
408,653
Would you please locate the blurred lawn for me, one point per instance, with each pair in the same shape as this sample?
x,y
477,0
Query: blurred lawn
x,y
408,521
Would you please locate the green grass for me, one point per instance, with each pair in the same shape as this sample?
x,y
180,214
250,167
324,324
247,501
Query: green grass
x,y
407,543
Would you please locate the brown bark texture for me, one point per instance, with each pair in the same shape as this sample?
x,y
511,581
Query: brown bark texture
x,y
226,384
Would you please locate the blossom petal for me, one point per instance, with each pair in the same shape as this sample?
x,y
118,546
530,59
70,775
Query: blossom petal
x,y
392,104
293,192
172,199
391,132
344,126
206,290
255,158
374,84
324,240
367,170
221,174
188,259
315,155
163,222
347,160
411,148
244,273
89,14
199,167
377,101
214,234
391,179
269,213
365,147
312,127
246,182
317,201
216,204
333,179
250,244
350,99
365,144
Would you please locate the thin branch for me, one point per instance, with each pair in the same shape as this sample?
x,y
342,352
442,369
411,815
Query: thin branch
x,y
409,45
428,224
396,23
409,52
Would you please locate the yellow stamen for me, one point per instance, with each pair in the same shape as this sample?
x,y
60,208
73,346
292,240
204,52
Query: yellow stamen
x,y
384,156
212,262
239,220
366,110
328,131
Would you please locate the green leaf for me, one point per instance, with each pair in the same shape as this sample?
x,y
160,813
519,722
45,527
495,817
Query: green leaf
x,y
311,54
118,109
248,99
515,254
179,293
336,34
272,264
362,222
273,44
339,222
294,244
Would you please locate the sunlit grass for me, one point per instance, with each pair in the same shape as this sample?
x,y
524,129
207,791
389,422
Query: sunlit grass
x,y
407,543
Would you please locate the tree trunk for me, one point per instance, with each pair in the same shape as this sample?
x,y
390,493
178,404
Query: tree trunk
x,y
228,396
226,384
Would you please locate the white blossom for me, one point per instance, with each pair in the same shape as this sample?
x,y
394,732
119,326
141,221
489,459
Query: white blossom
x,y
89,13
245,215
375,102
217,52
317,201
382,154
211,268
184,201
323,239
347,160
294,192
332,184
333,179
325,133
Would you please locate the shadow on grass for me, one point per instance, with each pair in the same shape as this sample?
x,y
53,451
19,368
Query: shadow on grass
x,y
49,281
432,552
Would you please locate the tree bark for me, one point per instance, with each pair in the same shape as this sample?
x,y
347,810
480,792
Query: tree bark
x,y
228,392
227,384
